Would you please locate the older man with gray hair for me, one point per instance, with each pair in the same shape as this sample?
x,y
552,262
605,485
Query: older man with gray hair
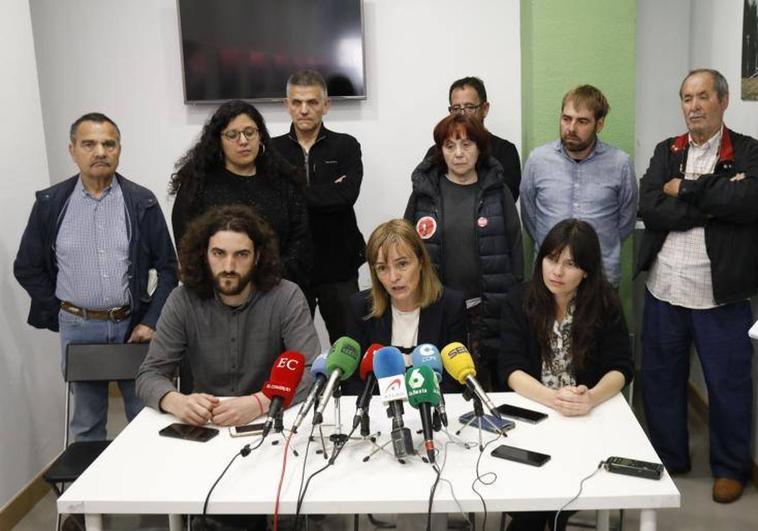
x,y
698,201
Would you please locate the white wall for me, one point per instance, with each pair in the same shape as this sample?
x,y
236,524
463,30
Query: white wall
x,y
663,58
673,38
31,431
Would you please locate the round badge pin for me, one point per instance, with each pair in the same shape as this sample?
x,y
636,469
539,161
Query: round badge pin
x,y
482,222
426,227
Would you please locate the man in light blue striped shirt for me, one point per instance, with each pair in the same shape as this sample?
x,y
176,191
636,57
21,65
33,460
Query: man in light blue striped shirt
x,y
581,177
85,257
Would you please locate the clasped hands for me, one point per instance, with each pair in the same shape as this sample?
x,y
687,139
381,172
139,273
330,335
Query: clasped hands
x,y
573,401
201,408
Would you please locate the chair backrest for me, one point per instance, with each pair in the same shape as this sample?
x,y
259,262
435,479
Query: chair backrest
x,y
98,362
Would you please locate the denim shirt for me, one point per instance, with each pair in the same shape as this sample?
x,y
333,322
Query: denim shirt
x,y
601,189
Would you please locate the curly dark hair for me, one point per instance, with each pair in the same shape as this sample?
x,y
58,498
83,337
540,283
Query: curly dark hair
x,y
194,270
596,301
207,155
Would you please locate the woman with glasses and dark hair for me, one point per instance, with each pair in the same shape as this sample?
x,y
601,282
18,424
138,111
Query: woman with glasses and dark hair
x,y
406,304
464,212
564,339
232,163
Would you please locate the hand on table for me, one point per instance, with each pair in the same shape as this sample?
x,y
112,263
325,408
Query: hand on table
x,y
196,409
573,401
238,411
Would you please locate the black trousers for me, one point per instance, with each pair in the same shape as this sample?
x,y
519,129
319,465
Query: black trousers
x,y
333,300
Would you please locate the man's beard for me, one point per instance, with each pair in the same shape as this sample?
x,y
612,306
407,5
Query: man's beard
x,y
219,281
573,146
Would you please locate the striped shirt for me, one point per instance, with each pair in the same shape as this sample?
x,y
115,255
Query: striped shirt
x,y
681,273
92,250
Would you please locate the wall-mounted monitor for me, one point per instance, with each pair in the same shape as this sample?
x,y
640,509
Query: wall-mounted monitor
x,y
246,49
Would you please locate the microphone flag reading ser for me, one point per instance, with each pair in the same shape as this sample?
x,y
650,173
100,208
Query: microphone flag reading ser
x,y
280,388
459,364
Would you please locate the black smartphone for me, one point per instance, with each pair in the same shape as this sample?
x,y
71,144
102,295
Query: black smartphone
x,y
520,455
489,423
189,432
521,413
634,467
247,429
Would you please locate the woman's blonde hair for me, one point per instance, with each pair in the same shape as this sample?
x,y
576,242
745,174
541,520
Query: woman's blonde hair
x,y
399,232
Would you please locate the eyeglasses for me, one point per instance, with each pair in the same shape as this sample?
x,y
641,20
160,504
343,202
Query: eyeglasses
x,y
233,134
463,109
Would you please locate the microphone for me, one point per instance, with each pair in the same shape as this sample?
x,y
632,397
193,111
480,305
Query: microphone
x,y
389,368
427,355
460,365
282,384
318,371
367,375
424,394
340,364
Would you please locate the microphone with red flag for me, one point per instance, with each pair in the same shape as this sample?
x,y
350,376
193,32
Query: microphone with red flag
x,y
282,384
367,375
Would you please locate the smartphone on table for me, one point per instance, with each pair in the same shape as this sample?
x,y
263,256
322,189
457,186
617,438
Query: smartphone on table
x,y
488,421
519,455
189,432
247,429
521,413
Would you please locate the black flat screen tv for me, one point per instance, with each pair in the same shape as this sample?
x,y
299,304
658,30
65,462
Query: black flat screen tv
x,y
246,49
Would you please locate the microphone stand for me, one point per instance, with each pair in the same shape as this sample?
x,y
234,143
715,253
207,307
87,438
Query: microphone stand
x,y
439,427
478,417
337,438
280,429
370,438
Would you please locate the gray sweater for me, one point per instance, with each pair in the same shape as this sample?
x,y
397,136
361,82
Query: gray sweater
x,y
230,351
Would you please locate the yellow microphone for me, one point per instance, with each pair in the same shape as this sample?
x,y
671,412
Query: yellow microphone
x,y
459,364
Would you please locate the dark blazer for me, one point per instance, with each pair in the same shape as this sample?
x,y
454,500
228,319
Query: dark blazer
x,y
520,350
150,247
725,208
440,323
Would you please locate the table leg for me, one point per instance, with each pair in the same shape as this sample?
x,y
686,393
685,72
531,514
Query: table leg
x,y
647,520
93,522
603,520
175,522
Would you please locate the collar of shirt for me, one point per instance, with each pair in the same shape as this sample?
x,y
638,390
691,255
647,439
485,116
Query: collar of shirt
x,y
599,148
108,189
254,295
712,143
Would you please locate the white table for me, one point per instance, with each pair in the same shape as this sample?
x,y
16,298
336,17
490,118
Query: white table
x,y
143,473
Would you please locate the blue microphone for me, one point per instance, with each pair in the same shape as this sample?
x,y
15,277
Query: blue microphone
x,y
389,368
318,371
427,355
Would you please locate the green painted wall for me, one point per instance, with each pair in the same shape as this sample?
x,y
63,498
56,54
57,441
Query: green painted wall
x,y
565,43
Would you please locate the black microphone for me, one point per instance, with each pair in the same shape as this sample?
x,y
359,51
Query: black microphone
x,y
367,375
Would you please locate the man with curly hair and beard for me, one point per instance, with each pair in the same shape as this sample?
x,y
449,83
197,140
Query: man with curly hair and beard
x,y
229,321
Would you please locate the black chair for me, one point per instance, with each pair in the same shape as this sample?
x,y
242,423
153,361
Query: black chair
x,y
88,363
